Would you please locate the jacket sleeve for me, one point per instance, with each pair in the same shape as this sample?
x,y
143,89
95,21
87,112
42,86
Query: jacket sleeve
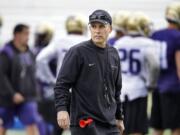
x,y
118,86
67,76
6,88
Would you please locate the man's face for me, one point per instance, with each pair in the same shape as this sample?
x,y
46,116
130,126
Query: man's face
x,y
23,36
100,32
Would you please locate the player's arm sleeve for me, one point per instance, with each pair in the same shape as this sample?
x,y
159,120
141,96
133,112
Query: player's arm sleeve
x,y
118,86
152,64
5,83
66,78
43,71
177,57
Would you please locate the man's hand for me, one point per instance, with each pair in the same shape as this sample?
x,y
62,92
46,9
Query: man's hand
x,y
18,98
63,119
120,125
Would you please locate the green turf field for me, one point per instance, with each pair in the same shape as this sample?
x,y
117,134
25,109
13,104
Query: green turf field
x,y
12,132
20,132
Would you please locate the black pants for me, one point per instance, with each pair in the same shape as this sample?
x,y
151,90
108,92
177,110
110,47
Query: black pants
x,y
95,129
135,116
165,113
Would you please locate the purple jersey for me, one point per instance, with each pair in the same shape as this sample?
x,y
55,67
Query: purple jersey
x,y
112,41
170,43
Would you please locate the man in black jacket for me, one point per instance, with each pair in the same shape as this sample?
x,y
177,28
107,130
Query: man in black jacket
x,y
92,70
17,83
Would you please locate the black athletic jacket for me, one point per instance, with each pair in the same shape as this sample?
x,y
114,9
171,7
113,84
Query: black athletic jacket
x,y
94,74
17,74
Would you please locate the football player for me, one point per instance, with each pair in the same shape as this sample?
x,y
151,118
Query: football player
x,y
140,66
44,33
166,99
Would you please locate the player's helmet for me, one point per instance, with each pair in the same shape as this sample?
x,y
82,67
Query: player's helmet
x,y
139,23
144,23
120,20
132,25
173,12
45,29
76,23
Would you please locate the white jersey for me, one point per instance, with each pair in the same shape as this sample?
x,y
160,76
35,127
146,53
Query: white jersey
x,y
139,64
57,50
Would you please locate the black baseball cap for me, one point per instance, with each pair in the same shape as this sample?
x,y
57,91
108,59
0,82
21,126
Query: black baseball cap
x,y
101,16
